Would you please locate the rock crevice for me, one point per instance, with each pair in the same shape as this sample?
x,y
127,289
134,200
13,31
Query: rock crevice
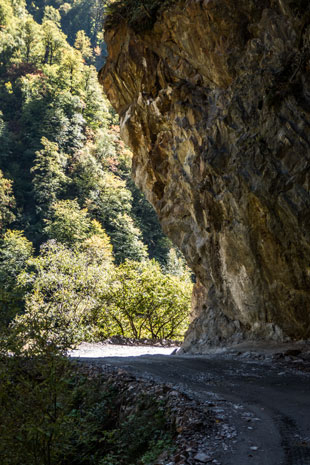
x,y
214,101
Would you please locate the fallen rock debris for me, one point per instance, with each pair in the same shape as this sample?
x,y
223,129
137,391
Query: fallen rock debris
x,y
293,358
194,423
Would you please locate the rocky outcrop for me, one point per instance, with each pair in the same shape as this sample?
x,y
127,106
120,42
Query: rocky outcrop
x,y
214,101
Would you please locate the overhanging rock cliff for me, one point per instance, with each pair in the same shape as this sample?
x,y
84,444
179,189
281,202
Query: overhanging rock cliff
x,y
214,101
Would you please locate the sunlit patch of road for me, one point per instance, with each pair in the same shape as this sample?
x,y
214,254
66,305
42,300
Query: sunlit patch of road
x,y
98,350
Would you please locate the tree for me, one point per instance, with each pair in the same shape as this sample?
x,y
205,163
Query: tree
x,y
176,264
142,301
65,286
51,14
126,238
31,35
69,224
49,178
83,44
6,13
97,111
4,141
7,202
54,42
62,120
71,68
15,251
157,243
97,247
110,203
59,137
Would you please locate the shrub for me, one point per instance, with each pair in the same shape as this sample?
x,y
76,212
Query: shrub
x,y
65,286
52,413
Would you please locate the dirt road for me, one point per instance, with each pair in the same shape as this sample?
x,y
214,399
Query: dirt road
x,y
262,407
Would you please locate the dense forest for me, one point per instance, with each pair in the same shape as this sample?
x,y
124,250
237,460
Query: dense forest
x,y
82,255
75,231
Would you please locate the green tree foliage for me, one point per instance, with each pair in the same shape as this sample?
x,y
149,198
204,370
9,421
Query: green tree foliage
x,y
64,285
65,238
97,247
157,243
176,264
54,41
15,251
71,225
6,13
7,202
4,139
75,292
31,35
61,150
62,141
142,301
51,14
82,43
77,15
49,178
37,410
111,204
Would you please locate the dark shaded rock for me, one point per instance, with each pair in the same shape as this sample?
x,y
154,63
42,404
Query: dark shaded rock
x,y
215,103
292,352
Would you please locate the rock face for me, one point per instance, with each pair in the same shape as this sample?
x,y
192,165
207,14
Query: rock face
x,y
215,103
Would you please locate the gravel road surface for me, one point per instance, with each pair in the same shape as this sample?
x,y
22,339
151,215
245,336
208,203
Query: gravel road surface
x,y
262,406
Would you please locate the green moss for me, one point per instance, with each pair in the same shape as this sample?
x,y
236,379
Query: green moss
x,y
139,14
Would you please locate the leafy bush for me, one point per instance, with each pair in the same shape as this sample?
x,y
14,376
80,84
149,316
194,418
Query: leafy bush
x,y
52,413
64,289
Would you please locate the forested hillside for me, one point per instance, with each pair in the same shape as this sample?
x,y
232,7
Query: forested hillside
x,y
75,16
82,255
59,137
68,208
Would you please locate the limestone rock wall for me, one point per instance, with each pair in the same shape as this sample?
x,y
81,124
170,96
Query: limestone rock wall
x,y
215,103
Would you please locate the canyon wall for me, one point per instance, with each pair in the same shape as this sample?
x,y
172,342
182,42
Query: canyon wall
x,y
214,102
